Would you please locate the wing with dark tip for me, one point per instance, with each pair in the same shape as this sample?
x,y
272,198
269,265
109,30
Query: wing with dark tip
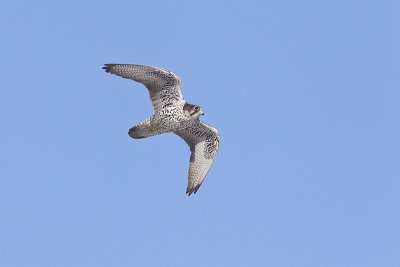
x,y
203,141
164,86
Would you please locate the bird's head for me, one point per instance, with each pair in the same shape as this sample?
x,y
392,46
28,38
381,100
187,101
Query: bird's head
x,y
192,111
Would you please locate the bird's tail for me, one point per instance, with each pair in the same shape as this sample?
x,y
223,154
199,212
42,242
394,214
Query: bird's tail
x,y
143,130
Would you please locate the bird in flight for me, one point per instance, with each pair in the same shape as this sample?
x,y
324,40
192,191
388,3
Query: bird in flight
x,y
173,114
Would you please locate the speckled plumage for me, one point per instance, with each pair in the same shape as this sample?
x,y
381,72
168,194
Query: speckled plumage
x,y
173,114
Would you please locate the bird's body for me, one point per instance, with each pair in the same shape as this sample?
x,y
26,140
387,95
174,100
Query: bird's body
x,y
173,114
166,120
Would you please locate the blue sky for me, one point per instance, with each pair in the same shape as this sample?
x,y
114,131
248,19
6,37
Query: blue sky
x,y
305,95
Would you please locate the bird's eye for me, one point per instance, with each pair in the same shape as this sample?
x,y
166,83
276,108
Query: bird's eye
x,y
196,108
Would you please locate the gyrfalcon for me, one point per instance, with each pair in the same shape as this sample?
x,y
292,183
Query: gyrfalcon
x,y
173,114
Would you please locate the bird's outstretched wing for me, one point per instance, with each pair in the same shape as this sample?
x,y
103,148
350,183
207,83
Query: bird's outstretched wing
x,y
164,86
203,141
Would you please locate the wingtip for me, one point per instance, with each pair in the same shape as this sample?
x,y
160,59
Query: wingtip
x,y
189,191
107,67
193,189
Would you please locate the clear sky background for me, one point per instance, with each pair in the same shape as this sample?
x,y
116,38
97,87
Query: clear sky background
x,y
305,95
